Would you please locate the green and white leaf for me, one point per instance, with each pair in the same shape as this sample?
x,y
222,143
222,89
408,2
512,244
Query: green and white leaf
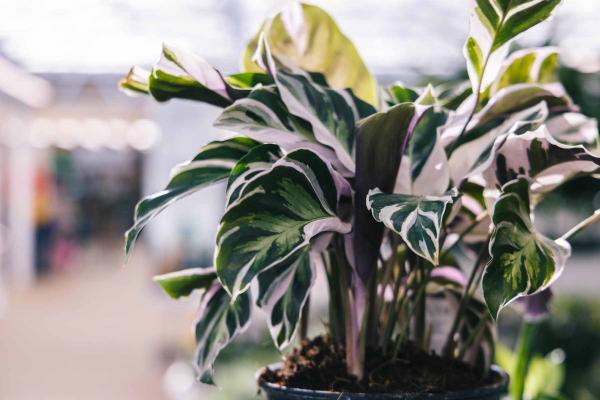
x,y
537,65
264,117
424,168
259,159
136,81
283,291
184,75
428,97
221,320
477,148
274,220
307,37
212,164
494,23
180,74
331,113
498,109
183,283
417,219
523,261
537,155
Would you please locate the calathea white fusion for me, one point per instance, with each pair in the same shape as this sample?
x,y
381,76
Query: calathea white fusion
x,y
376,186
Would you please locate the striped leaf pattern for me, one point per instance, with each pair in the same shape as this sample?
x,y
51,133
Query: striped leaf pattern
x,y
183,283
275,218
331,113
494,23
523,261
183,75
180,74
264,117
283,291
212,164
424,169
538,65
309,38
221,320
261,158
417,219
471,156
539,156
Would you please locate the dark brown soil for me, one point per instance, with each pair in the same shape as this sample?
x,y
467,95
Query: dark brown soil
x,y
320,364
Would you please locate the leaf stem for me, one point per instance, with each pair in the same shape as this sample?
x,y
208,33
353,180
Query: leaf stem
x,y
350,312
592,219
449,346
474,335
411,312
304,319
395,308
523,356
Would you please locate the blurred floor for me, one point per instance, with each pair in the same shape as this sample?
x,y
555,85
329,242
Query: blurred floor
x,y
93,333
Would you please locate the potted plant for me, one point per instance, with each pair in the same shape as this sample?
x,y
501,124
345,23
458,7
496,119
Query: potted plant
x,y
407,200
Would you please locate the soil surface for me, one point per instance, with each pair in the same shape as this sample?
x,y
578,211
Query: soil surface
x,y
319,364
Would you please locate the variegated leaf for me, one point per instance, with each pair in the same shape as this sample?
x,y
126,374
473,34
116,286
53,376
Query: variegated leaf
x,y
264,117
331,113
475,150
212,164
183,283
538,65
221,320
381,142
523,261
275,218
428,97
510,100
183,75
494,23
417,219
537,155
259,159
424,168
283,291
311,40
180,74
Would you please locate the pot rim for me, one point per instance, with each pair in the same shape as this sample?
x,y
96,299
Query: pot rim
x,y
498,387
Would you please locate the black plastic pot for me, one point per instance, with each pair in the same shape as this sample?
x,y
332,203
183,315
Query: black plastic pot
x,y
492,392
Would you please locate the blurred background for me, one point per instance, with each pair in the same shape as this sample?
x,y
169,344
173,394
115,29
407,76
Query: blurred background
x,y
76,154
